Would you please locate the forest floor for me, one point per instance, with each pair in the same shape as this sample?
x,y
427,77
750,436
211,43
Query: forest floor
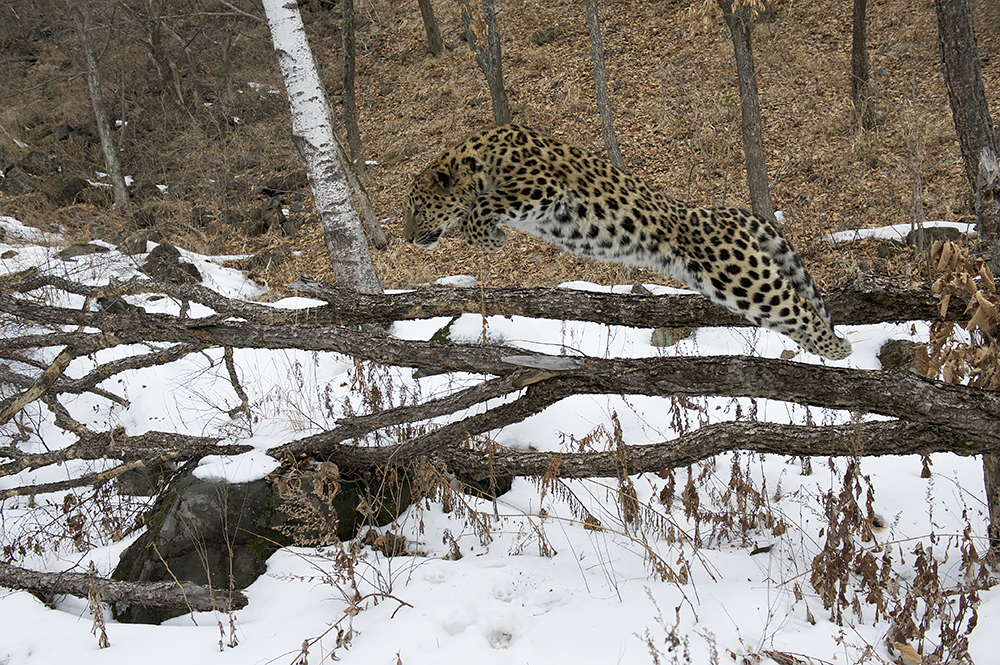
x,y
677,115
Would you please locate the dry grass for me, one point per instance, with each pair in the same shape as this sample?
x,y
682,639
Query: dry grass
x,y
677,115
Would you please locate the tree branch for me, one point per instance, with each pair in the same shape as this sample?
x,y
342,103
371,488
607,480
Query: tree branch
x,y
185,596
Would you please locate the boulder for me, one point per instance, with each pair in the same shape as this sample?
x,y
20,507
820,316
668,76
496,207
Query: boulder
x,y
164,264
220,533
898,354
206,532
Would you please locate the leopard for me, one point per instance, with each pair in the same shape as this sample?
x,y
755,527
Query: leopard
x,y
514,176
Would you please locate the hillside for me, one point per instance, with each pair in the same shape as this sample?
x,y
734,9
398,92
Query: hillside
x,y
209,122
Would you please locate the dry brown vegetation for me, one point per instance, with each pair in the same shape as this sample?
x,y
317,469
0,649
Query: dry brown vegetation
x,y
673,88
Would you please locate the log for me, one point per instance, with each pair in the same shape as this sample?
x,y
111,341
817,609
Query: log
x,y
184,596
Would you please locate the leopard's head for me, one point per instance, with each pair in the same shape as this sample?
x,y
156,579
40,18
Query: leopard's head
x,y
432,206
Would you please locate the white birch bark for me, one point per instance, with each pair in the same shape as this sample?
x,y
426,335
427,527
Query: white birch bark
x,y
312,133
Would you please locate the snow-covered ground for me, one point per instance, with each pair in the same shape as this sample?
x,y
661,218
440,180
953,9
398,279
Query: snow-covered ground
x,y
533,585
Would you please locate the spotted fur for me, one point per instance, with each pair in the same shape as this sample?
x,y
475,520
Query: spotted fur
x,y
517,177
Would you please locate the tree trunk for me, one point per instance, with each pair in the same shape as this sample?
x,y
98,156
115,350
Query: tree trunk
x,y
861,92
371,223
312,133
184,596
350,98
974,125
489,56
122,202
601,85
962,75
431,27
739,22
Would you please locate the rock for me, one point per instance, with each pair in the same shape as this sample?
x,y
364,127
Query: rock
x,y
898,354
669,336
138,242
81,249
285,183
143,191
209,531
144,218
231,217
203,532
118,305
932,233
199,218
292,224
269,258
145,481
39,163
64,189
15,182
258,223
164,264
96,196
61,132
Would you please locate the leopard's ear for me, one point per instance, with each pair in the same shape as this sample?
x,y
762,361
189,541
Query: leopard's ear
x,y
444,179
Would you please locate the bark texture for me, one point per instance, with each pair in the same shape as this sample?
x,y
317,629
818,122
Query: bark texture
x,y
601,86
183,596
312,133
488,56
738,18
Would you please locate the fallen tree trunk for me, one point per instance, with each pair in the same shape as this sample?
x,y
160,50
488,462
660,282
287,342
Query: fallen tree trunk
x,y
960,415
183,596
861,303
926,416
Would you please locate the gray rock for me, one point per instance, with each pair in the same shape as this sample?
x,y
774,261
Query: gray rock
x,y
898,354
669,336
285,183
206,532
137,242
164,264
932,233
213,532
17,181
81,249
64,189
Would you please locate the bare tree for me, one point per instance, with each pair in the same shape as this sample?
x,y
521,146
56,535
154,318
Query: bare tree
x,y
312,132
974,125
431,27
971,112
488,56
350,97
861,92
739,17
601,85
923,416
94,85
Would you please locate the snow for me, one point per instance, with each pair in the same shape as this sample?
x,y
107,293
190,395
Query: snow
x,y
533,585
895,231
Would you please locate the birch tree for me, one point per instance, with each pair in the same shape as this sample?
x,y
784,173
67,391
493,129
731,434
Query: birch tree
x,y
312,133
